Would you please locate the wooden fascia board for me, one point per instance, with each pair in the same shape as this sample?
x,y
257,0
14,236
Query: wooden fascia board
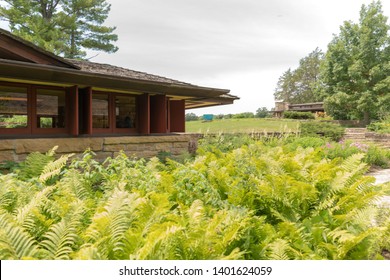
x,y
29,52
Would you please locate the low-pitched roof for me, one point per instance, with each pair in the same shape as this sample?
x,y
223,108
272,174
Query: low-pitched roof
x,y
107,69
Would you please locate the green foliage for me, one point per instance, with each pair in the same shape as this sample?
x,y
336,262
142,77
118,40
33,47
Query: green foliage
x,y
300,85
298,115
382,126
262,112
262,200
374,155
245,115
191,117
64,27
325,129
355,72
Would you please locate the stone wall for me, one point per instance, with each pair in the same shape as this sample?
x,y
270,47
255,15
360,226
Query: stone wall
x,y
381,139
133,146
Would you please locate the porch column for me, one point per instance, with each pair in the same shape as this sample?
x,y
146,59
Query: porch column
x,y
73,110
177,115
144,113
158,114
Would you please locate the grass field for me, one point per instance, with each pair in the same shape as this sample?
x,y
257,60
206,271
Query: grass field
x,y
242,126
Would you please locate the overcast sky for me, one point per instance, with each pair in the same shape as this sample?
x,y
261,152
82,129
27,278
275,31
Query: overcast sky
x,y
241,45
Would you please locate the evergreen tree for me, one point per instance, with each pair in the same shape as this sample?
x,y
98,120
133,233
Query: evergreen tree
x,y
65,27
356,68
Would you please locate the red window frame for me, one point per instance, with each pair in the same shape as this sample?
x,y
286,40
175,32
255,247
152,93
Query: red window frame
x,y
32,128
112,129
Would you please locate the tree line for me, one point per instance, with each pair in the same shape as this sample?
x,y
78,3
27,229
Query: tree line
x,y
352,77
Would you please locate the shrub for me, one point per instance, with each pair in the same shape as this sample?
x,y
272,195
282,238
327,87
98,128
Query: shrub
x,y
298,115
245,115
380,126
262,112
305,142
191,117
374,155
324,129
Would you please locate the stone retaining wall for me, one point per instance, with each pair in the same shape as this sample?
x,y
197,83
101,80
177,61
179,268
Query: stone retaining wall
x,y
133,146
378,138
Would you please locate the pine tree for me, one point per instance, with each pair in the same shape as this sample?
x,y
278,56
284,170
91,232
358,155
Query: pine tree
x,y
65,27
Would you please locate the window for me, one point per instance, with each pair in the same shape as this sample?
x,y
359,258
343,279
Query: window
x,y
125,111
50,108
100,110
13,107
113,113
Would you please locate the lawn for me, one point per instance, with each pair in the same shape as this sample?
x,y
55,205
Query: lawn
x,y
242,126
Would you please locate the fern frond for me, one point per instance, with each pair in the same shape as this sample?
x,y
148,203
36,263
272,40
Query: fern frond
x,y
108,227
53,168
37,200
350,169
61,238
15,243
33,165
59,241
279,250
88,252
159,235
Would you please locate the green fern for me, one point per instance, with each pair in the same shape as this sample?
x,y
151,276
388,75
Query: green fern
x,y
34,164
60,240
53,168
15,243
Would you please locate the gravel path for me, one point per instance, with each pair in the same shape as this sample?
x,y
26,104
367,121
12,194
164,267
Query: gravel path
x,y
382,176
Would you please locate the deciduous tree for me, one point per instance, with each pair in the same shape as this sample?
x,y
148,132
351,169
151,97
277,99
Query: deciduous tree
x,y
356,68
300,85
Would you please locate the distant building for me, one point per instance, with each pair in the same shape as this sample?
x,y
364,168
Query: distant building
x,y
281,106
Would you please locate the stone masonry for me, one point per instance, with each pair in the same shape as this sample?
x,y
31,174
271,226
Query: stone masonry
x,y
362,135
133,146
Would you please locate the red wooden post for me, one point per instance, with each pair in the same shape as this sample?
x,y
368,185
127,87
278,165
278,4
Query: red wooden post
x,y
88,111
177,115
144,113
158,114
73,111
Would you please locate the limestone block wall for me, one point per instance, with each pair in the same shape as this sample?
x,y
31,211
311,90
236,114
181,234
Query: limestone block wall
x,y
133,146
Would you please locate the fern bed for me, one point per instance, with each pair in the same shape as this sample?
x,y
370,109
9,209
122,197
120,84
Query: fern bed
x,y
260,201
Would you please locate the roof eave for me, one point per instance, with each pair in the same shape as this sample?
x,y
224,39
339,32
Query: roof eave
x,y
47,73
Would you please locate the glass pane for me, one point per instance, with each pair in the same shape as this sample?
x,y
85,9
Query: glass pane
x,y
100,111
13,107
50,108
125,111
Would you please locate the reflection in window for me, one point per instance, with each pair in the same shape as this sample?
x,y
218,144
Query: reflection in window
x,y
13,107
125,111
100,110
50,108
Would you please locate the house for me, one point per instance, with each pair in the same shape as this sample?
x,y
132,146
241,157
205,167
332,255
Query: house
x,y
46,100
281,106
